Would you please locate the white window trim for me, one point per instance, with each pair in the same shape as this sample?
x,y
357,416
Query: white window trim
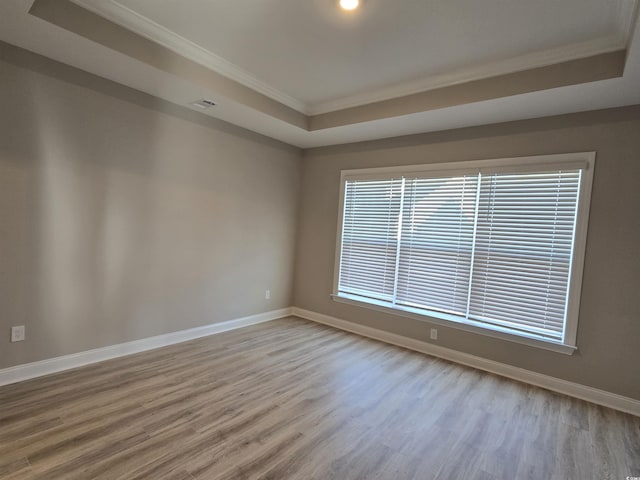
x,y
583,160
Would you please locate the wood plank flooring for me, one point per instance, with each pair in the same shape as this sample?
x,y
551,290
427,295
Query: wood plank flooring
x,y
290,399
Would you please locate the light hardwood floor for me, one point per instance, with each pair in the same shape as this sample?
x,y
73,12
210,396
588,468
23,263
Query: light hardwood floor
x,y
290,399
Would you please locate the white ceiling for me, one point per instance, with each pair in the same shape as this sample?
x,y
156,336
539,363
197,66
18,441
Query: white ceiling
x,y
314,52
274,50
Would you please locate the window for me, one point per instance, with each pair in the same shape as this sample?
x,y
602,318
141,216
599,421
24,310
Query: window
x,y
492,246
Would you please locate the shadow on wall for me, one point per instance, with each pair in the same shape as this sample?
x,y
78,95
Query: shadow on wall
x,y
91,254
121,223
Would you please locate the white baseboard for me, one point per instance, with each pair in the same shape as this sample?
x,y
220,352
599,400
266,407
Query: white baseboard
x,y
66,362
583,392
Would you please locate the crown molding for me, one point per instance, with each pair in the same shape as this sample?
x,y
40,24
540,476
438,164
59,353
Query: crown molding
x,y
520,63
626,20
131,20
114,11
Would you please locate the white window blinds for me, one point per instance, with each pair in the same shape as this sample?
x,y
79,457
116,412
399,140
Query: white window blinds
x,y
524,241
370,238
491,248
436,243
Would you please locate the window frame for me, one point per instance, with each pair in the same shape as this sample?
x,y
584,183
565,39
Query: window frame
x,y
582,160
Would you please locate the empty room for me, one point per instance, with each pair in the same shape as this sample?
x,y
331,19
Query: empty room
x,y
320,239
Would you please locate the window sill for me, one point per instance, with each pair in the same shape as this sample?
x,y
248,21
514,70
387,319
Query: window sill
x,y
454,322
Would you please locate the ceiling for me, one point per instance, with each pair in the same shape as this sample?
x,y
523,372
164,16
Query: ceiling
x,y
309,74
315,53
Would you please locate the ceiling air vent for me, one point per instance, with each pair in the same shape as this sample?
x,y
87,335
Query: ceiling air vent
x,y
203,104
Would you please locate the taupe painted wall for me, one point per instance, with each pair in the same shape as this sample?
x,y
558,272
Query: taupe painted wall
x,y
609,325
119,222
123,217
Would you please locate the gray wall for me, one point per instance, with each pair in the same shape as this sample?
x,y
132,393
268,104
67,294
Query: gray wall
x,y
119,221
123,217
609,325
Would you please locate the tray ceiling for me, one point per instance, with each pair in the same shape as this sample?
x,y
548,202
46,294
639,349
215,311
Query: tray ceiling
x,y
307,74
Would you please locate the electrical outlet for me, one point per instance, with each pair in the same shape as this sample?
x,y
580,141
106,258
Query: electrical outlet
x,y
17,333
267,294
434,334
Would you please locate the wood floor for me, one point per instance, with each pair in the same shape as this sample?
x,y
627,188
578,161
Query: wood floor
x,y
290,399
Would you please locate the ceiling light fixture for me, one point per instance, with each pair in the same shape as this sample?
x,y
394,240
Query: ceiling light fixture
x,y
349,4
